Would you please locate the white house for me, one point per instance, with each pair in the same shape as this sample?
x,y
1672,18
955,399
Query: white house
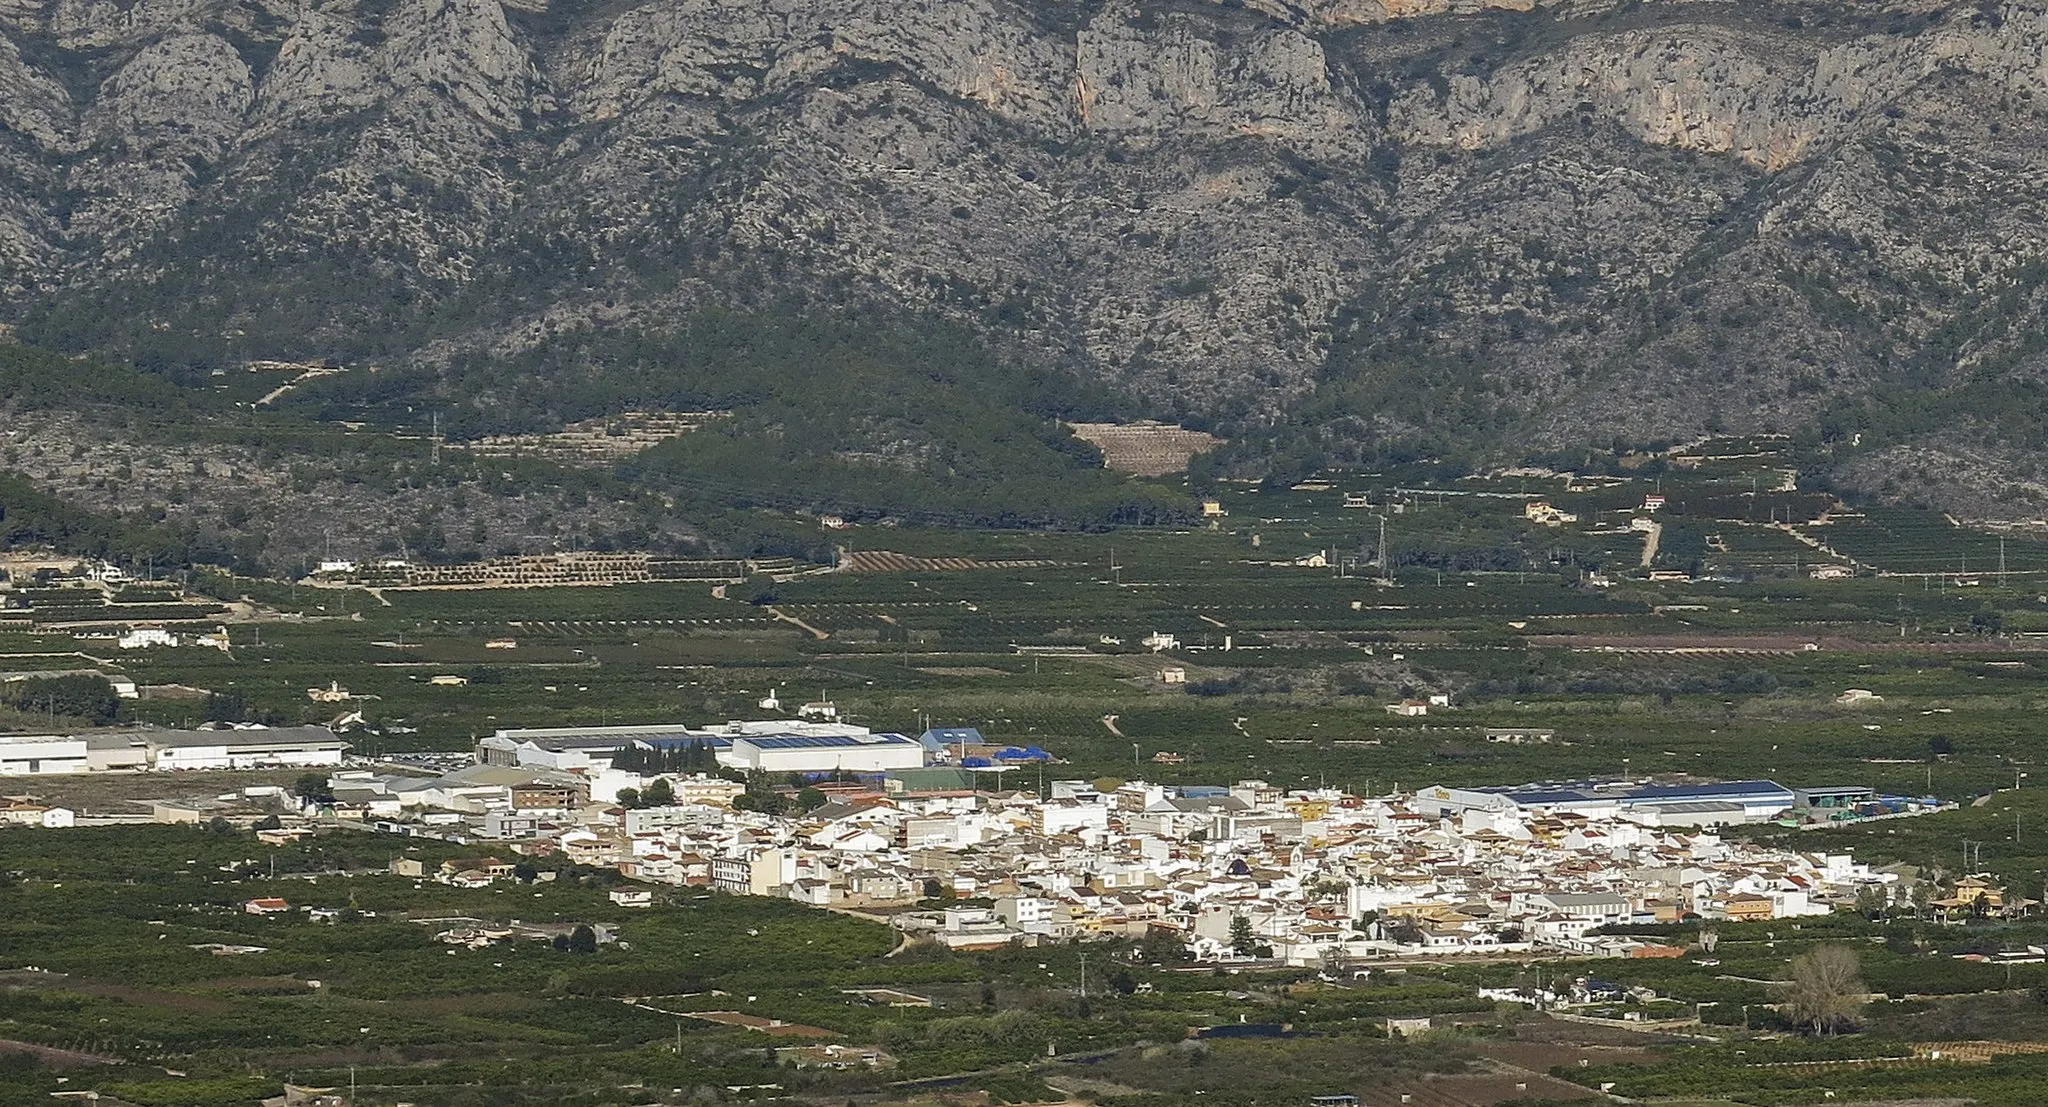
x,y
1068,816
1031,914
28,812
848,838
1595,908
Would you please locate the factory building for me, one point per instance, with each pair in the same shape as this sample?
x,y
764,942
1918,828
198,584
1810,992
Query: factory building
x,y
41,755
1715,804
583,747
776,746
152,748
263,748
804,753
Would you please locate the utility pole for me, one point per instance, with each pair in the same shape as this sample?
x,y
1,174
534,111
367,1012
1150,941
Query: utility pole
x,y
437,438
1084,976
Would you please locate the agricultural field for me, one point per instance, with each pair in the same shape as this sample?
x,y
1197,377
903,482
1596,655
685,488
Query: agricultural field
x,y
1290,633
1908,541
1708,679
132,968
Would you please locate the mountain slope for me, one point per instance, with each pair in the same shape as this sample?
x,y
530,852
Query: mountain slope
x,y
1330,226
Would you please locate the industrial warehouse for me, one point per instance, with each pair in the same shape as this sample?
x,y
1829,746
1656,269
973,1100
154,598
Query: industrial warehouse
x,y
147,749
1720,803
781,746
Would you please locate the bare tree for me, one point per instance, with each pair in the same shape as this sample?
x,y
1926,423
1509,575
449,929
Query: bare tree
x,y
1826,992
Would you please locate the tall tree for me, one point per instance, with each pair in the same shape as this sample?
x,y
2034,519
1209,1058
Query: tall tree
x,y
1244,941
1827,990
1163,946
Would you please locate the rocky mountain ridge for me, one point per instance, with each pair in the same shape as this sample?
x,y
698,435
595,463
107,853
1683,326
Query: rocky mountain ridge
x,y
1360,219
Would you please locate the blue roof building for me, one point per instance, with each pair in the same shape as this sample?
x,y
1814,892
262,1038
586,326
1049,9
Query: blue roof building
x,y
1759,799
941,737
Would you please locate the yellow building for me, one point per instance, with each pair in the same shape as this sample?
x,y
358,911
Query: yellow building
x,y
1748,908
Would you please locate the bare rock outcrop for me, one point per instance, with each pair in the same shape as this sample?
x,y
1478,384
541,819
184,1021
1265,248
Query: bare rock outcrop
x,y
1535,223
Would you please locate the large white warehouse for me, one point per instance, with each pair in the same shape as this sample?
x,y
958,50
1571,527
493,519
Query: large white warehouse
x,y
149,748
811,753
41,755
270,747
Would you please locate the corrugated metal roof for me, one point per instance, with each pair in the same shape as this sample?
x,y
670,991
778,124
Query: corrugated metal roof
x,y
815,742
163,738
1733,789
1554,796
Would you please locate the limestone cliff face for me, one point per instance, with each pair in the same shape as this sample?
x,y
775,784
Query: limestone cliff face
x,y
170,111
1559,219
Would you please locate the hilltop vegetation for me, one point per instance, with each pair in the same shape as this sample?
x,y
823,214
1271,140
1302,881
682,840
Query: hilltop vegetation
x,y
868,421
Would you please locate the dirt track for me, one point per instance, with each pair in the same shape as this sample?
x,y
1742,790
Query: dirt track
x,y
1769,644
54,1057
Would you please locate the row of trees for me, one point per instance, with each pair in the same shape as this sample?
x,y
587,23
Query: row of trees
x,y
658,794
693,757
75,696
